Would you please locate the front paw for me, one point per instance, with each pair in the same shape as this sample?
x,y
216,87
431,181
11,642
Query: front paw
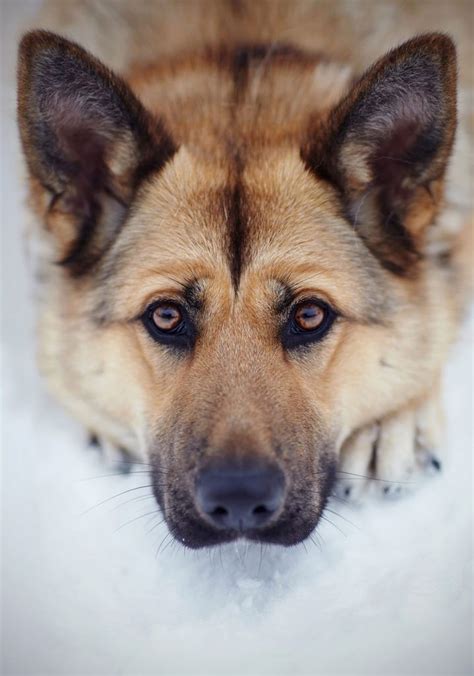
x,y
392,455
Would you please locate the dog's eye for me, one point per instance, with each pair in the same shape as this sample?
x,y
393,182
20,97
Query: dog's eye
x,y
308,322
309,316
167,317
168,323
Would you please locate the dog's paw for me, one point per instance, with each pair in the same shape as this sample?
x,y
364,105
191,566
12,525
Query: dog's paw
x,y
355,463
393,453
116,458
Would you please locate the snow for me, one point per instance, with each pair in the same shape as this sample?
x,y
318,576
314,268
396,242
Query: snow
x,y
89,588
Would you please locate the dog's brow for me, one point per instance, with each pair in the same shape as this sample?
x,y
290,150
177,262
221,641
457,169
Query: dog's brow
x,y
285,294
103,312
192,294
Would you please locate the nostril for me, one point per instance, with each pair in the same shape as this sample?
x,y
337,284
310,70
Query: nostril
x,y
260,509
219,511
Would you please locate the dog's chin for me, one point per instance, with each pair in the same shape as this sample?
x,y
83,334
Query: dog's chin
x,y
196,534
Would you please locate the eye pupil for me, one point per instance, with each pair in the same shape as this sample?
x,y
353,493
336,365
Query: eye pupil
x,y
309,316
167,317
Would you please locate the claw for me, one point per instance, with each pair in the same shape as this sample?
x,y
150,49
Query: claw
x,y
94,441
428,459
124,466
393,491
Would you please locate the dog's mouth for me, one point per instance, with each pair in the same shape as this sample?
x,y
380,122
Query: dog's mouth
x,y
287,520
288,531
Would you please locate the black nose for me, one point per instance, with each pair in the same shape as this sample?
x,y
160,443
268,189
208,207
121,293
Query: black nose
x,y
240,498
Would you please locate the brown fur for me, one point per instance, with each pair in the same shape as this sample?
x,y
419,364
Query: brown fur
x,y
236,174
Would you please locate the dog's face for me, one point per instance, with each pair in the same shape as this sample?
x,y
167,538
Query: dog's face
x,y
243,347
220,311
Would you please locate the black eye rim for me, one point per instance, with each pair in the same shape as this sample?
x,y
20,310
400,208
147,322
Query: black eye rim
x,y
181,336
293,336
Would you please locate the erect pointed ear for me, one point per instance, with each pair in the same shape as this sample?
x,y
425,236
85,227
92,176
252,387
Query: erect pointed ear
x,y
88,143
387,144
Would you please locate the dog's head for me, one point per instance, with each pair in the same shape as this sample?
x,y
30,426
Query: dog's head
x,y
234,273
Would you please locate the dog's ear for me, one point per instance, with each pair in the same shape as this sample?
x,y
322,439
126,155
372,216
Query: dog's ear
x,y
386,146
88,143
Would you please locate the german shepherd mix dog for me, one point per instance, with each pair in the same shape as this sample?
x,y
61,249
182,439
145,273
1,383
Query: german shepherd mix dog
x,y
252,276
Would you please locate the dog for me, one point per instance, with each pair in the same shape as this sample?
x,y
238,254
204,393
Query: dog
x,y
251,272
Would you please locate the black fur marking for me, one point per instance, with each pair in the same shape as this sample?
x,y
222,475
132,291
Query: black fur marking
x,y
237,230
233,196
241,61
248,56
285,298
192,295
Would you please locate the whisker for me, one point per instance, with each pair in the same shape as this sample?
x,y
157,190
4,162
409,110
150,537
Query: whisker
x,y
137,518
112,497
341,517
319,536
174,546
136,462
150,530
370,478
337,497
138,499
168,534
104,476
333,524
170,542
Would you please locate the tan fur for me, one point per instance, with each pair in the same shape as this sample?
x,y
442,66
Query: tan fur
x,y
239,390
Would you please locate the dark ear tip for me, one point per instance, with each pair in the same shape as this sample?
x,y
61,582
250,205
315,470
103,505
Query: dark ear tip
x,y
35,40
438,40
436,44
40,42
32,46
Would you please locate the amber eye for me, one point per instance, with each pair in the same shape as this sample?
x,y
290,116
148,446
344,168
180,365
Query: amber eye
x,y
170,324
308,323
309,316
167,317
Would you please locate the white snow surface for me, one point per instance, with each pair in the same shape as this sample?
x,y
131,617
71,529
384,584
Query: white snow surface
x,y
86,589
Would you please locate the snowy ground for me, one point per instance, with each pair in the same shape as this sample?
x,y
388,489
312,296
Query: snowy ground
x,y
88,590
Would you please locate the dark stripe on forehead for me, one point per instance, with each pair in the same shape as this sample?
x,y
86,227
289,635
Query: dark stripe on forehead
x,y
236,229
246,56
236,224
243,62
243,58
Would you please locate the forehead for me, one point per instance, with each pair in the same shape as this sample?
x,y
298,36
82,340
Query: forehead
x,y
270,222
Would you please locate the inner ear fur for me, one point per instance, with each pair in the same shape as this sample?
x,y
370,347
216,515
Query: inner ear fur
x,y
88,144
386,147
